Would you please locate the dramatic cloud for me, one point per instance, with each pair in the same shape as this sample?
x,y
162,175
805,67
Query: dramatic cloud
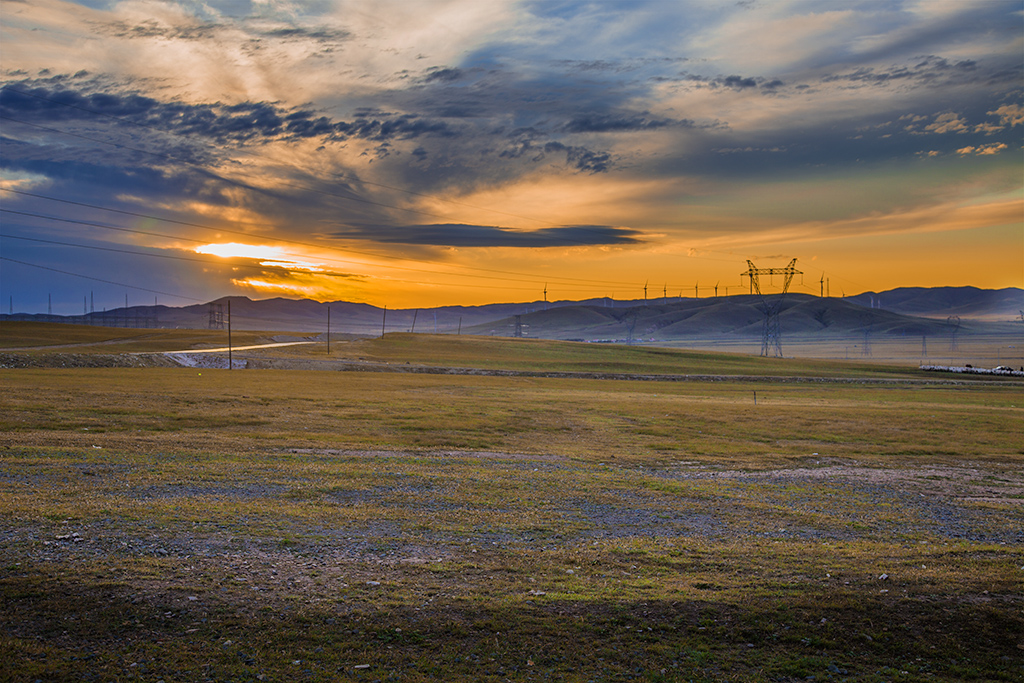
x,y
491,236
398,134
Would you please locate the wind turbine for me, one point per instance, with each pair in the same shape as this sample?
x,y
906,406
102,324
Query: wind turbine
x,y
716,289
645,293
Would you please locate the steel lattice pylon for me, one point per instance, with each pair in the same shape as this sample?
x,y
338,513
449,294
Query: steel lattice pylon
x,y
770,338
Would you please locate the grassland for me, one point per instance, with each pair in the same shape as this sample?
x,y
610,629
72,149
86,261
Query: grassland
x,y
185,524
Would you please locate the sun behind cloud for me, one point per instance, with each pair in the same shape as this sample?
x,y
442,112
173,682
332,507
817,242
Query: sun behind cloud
x,y
236,250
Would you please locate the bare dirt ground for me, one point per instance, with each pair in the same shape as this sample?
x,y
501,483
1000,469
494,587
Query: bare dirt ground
x,y
936,482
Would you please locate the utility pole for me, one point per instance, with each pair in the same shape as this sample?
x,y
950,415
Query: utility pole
x,y
414,314
328,329
696,294
459,333
384,322
231,362
49,304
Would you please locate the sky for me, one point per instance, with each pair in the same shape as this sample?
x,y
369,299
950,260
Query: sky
x,y
419,153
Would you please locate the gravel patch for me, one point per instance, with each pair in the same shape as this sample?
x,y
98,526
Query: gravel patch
x,y
410,518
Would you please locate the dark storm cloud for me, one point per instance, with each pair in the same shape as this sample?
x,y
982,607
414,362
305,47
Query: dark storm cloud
x,y
732,81
616,123
222,123
153,29
242,122
581,158
737,82
931,70
321,34
404,127
96,173
200,31
446,75
526,142
459,235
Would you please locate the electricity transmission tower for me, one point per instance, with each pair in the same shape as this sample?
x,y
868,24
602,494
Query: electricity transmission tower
x,y
518,326
770,338
216,316
954,322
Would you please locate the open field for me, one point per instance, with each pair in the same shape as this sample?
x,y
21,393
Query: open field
x,y
729,354
982,350
185,524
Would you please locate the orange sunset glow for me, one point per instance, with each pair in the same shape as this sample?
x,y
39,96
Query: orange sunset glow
x,y
471,155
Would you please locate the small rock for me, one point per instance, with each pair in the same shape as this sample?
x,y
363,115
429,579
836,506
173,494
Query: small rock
x,y
361,666
883,577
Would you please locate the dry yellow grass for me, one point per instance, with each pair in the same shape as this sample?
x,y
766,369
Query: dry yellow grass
x,y
187,524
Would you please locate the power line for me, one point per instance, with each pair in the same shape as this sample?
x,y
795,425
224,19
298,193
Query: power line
x,y
259,267
96,279
188,239
307,188
345,176
166,256
346,197
310,245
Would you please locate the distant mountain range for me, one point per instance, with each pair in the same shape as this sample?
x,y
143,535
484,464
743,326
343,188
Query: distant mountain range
x,y
904,311
942,302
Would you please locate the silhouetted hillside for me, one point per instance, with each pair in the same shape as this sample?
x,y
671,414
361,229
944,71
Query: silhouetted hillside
x,y
942,302
905,312
735,316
